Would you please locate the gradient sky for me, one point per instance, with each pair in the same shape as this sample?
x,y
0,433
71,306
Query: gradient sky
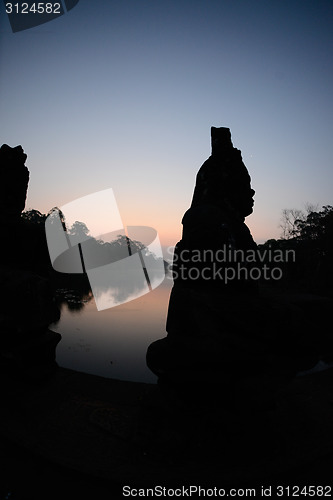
x,y
122,94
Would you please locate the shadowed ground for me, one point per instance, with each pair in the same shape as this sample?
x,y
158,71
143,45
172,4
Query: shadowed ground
x,y
95,435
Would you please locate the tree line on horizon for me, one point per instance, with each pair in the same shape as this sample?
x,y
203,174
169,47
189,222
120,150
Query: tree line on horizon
x,y
309,233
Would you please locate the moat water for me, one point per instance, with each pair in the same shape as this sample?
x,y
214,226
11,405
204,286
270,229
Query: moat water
x,y
113,343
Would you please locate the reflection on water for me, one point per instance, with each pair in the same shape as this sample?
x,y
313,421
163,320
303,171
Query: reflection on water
x,y
120,265
113,343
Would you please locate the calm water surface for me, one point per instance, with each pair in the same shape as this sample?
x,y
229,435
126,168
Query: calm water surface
x,y
113,343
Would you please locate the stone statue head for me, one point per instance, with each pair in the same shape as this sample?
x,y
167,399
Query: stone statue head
x,y
223,179
10,155
14,177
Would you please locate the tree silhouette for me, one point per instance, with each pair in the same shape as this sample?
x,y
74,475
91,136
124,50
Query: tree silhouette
x,y
288,222
290,219
33,216
74,288
311,237
318,226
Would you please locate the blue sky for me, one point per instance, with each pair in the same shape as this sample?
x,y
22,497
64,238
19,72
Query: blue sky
x,y
122,94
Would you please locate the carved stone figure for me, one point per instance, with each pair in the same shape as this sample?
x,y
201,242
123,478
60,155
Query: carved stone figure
x,y
222,335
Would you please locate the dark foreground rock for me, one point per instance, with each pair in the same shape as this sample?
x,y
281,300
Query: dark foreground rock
x,y
113,433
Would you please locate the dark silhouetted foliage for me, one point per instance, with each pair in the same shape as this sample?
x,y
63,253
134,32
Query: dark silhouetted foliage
x,y
312,242
34,216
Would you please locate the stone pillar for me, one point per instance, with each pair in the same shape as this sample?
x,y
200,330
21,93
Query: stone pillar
x,y
14,181
27,305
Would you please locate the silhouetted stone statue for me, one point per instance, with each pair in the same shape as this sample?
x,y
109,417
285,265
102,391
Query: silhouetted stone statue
x,y
14,180
223,337
27,304
214,225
